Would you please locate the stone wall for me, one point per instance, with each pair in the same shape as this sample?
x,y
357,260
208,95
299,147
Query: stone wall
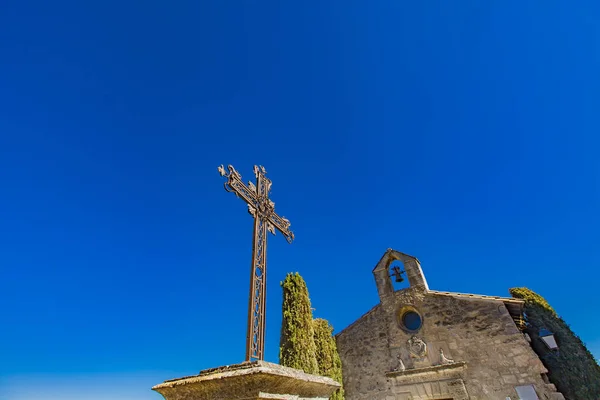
x,y
365,356
477,332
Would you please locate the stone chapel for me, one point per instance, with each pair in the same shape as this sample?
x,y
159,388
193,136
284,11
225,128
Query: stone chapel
x,y
422,344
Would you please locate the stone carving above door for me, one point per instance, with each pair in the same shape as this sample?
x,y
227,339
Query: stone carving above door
x,y
417,348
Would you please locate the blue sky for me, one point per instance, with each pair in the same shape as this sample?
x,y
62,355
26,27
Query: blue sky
x,y
464,133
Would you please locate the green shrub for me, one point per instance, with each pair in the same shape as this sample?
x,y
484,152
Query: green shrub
x,y
328,359
297,344
572,368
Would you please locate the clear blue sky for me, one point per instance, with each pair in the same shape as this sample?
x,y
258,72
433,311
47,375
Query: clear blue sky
x,y
464,133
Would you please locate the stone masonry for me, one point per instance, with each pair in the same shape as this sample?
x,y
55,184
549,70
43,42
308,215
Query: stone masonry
x,y
467,347
254,380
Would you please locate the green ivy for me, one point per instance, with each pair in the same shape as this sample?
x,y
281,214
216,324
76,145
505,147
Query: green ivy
x,y
328,358
297,344
572,368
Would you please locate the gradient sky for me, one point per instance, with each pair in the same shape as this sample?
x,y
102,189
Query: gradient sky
x,y
464,133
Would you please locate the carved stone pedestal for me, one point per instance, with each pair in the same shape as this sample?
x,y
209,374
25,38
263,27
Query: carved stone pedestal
x,y
249,381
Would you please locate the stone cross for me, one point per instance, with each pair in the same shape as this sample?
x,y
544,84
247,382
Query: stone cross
x,y
265,219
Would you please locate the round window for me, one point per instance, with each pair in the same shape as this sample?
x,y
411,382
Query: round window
x,y
411,320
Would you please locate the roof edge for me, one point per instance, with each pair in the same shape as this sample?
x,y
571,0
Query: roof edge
x,y
478,296
401,254
358,319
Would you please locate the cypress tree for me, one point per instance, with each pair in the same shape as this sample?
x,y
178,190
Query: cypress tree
x,y
572,368
297,344
328,359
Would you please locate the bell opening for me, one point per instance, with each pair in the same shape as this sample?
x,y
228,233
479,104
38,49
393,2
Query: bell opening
x,y
397,276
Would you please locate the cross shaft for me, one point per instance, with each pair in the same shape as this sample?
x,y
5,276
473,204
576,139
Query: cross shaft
x,y
265,219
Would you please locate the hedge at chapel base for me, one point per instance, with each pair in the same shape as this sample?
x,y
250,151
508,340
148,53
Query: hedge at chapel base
x,y
571,368
297,345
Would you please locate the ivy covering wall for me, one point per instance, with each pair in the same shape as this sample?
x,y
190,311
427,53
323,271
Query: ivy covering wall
x,y
572,368
328,359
